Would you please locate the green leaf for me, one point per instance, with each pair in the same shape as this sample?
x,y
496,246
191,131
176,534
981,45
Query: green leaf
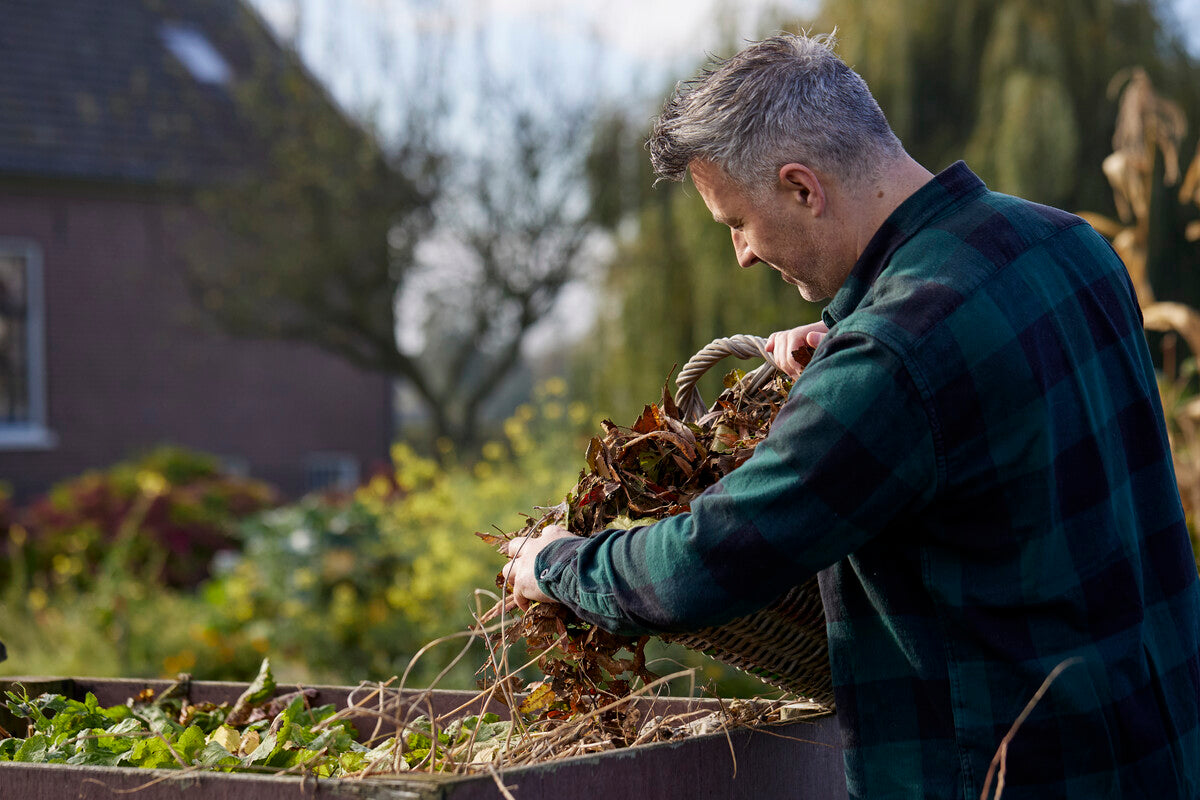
x,y
117,714
152,753
495,728
625,522
33,750
283,758
314,715
214,755
91,752
336,739
262,687
190,743
158,719
8,748
415,756
354,761
266,748
119,738
21,706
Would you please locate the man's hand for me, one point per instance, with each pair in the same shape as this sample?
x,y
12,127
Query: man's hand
x,y
520,574
782,344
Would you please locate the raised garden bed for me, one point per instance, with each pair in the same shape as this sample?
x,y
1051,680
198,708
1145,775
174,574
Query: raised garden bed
x,y
799,759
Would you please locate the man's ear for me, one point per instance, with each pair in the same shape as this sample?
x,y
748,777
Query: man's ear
x,y
804,185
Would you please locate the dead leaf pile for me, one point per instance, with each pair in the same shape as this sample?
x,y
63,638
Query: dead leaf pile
x,y
635,475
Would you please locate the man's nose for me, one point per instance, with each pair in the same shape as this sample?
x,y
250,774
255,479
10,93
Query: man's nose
x,y
741,248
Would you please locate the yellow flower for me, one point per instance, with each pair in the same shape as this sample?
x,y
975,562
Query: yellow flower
x,y
304,578
152,483
555,386
37,599
65,565
182,661
396,596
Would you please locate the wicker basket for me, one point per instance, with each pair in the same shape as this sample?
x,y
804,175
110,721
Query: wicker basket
x,y
785,643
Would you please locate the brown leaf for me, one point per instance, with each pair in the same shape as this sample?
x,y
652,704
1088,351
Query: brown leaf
x,y
669,437
648,421
597,459
668,401
803,355
684,466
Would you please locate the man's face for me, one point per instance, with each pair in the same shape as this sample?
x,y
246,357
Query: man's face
x,y
776,229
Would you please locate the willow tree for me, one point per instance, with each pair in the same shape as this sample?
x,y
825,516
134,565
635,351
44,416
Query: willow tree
x,y
1017,87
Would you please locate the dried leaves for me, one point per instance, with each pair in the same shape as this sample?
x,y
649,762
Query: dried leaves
x,y
635,475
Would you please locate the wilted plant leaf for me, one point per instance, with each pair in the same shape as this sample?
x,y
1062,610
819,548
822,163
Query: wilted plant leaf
x,y
539,699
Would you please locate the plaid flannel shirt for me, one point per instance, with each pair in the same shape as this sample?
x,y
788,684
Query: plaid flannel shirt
x,y
976,462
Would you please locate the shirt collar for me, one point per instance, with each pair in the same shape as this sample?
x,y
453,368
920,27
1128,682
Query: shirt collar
x,y
948,187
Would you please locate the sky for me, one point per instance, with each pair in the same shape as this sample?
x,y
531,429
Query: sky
x,y
629,49
645,44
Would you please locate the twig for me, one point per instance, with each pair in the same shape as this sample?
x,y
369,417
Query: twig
x,y
500,784
999,765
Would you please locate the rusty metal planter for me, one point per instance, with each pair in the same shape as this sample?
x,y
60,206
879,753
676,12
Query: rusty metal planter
x,y
799,759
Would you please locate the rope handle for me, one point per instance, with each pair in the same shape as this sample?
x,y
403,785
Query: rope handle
x,y
687,395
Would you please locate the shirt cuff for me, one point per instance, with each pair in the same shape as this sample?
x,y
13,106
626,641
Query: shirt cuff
x,y
551,564
558,569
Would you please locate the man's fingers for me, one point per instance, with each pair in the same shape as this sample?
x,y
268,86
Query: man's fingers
x,y
513,546
792,349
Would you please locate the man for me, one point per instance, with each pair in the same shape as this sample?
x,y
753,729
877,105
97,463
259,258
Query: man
x,y
975,461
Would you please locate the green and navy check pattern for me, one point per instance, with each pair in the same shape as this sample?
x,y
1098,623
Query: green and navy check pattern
x,y
976,463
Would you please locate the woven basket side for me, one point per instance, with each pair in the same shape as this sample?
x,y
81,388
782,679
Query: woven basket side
x,y
785,643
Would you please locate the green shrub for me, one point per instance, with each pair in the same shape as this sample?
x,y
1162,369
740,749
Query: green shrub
x,y
351,591
336,590
166,513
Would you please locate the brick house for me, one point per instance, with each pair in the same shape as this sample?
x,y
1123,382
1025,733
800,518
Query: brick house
x,y
109,112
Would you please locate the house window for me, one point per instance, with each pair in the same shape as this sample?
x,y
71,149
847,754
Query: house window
x,y
336,471
193,49
22,348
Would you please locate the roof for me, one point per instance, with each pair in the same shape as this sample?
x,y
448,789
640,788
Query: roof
x,y
125,90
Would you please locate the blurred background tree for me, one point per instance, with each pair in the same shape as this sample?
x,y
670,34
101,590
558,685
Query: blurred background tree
x,y
1018,88
428,253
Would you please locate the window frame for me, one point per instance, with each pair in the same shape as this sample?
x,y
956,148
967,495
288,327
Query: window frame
x,y
343,468
34,433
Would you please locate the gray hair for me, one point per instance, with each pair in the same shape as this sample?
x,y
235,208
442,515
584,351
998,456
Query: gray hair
x,y
785,99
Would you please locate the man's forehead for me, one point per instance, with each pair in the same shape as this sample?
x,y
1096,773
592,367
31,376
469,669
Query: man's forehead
x,y
710,180
723,196
707,172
